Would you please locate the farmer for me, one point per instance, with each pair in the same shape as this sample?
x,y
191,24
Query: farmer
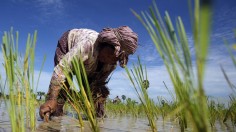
x,y
100,53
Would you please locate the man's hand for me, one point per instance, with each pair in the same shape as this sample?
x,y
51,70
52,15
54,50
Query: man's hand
x,y
47,108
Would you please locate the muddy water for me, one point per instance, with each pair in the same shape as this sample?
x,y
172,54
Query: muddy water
x,y
110,124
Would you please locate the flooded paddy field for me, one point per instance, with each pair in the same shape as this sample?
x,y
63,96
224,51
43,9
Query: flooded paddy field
x,y
113,123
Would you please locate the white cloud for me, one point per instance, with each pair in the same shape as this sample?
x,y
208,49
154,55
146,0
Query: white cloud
x,y
15,1
119,84
1,57
44,80
49,9
45,10
215,83
50,2
224,22
47,5
147,52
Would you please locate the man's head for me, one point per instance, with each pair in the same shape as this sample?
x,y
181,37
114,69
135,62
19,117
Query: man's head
x,y
122,39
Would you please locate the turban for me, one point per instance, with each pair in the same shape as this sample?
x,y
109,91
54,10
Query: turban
x,y
123,39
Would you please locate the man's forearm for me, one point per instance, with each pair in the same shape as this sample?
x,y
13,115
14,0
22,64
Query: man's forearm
x,y
57,80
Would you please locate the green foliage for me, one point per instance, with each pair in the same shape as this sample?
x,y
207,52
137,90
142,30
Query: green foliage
x,y
123,97
19,81
212,112
139,80
231,112
173,47
81,99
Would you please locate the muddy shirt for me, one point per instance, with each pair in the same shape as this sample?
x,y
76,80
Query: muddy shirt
x,y
81,43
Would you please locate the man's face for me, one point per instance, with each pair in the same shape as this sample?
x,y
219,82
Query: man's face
x,y
107,55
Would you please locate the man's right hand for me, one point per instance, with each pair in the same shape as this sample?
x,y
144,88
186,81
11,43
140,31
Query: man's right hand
x,y
47,108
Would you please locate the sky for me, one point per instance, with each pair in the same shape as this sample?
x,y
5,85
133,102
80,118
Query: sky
x,y
51,18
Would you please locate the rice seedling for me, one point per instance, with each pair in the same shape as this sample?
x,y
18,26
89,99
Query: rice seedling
x,y
173,48
231,112
81,99
212,112
139,80
173,110
19,81
165,107
132,107
114,110
162,107
221,111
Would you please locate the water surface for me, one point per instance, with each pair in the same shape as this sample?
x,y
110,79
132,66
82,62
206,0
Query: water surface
x,y
111,124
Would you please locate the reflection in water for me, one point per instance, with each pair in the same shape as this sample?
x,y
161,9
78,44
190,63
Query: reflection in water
x,y
5,124
62,124
111,124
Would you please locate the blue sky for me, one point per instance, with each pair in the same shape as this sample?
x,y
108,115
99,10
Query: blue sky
x,y
51,18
